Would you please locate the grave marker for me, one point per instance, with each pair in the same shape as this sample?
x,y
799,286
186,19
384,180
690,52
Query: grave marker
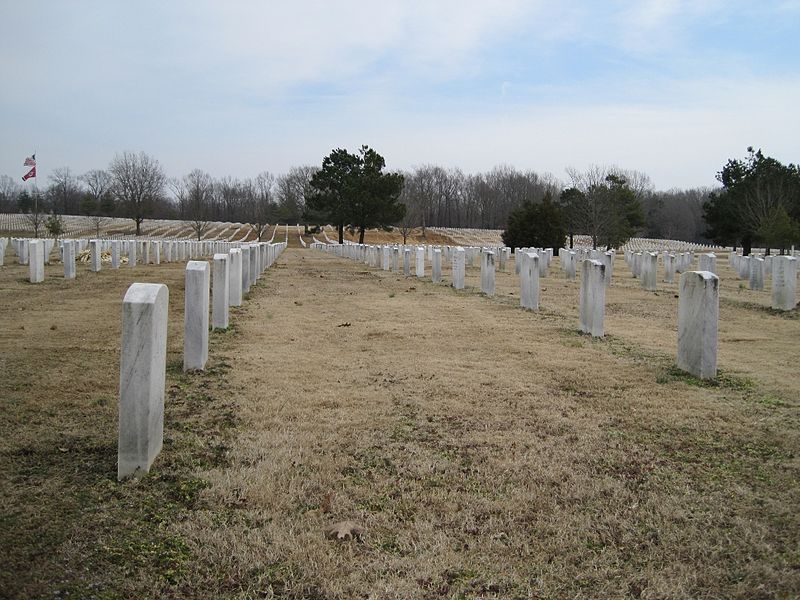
x,y
436,270
420,261
95,256
68,251
784,282
592,297
529,279
35,261
698,315
221,292
487,273
235,277
459,268
195,321
142,376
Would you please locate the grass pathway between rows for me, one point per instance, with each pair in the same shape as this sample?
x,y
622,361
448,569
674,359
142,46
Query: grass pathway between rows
x,y
486,451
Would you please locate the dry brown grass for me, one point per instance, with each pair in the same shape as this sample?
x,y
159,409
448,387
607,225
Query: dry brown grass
x,y
486,451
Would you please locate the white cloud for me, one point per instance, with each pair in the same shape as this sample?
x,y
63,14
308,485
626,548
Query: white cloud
x,y
239,87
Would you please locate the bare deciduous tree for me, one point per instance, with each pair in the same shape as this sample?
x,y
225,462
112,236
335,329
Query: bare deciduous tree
x,y
199,188
37,215
98,187
138,183
261,203
291,190
64,191
9,192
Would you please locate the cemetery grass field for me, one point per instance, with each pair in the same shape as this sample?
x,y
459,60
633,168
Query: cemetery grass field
x,y
485,451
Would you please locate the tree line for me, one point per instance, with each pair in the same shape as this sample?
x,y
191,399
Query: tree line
x,y
135,186
756,202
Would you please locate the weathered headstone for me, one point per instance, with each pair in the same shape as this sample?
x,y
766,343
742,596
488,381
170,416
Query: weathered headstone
x,y
756,273
195,332
698,315
420,261
254,271
669,268
570,263
436,269
528,279
115,244
220,292
132,253
649,271
707,262
94,256
593,297
23,249
407,262
784,282
487,273
235,277
607,258
245,269
142,377
35,261
459,268
385,257
68,258
48,248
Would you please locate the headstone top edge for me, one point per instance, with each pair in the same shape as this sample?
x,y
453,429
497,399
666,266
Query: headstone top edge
x,y
144,293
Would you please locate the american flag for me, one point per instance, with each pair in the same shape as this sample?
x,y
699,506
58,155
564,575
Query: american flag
x,y
30,161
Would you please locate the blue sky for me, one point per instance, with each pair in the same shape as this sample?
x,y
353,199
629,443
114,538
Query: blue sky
x,y
668,87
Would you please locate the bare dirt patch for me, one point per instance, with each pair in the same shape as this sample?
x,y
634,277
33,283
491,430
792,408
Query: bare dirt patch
x,y
481,450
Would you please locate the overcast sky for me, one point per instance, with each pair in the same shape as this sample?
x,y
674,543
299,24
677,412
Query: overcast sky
x,y
670,88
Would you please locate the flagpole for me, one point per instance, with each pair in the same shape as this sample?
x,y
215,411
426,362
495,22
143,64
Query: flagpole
x,y
35,188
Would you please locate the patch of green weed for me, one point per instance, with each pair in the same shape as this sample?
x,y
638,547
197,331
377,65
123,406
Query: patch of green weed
x,y
723,380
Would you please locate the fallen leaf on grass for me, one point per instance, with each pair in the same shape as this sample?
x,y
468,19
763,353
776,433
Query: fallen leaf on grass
x,y
344,530
327,502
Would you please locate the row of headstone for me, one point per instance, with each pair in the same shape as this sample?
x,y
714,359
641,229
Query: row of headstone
x,y
149,251
644,266
743,265
698,312
400,259
21,247
571,258
144,342
545,258
594,280
782,269
698,305
753,268
374,254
